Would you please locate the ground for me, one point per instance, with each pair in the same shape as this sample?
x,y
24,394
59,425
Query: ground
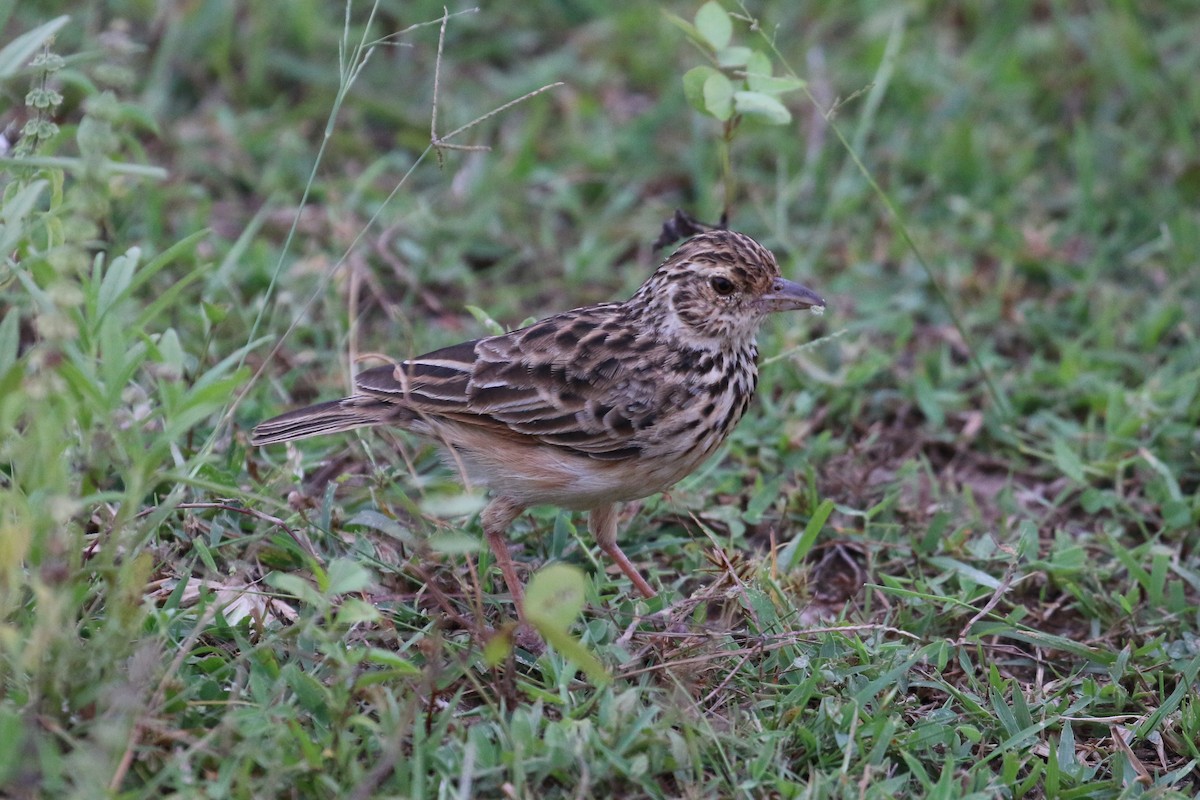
x,y
950,552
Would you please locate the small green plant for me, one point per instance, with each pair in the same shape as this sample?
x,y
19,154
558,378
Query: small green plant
x,y
553,603
739,84
98,391
42,99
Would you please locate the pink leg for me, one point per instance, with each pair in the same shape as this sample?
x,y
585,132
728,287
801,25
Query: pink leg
x,y
497,517
602,521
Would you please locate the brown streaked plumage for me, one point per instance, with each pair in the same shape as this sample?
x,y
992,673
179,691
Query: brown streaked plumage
x,y
588,408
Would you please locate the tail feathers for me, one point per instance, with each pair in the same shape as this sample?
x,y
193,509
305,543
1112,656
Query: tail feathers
x,y
332,417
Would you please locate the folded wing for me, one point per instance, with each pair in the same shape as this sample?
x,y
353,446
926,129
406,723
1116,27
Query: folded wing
x,y
578,381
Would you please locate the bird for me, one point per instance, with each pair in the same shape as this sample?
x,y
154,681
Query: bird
x,y
589,408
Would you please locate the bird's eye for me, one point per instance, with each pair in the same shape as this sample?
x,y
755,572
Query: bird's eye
x,y
722,285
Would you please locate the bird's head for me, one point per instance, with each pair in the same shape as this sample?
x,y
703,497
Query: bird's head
x,y
719,286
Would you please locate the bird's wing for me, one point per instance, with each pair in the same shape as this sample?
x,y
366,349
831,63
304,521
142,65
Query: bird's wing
x,y
582,381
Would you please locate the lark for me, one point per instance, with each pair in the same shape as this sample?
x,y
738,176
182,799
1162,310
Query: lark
x,y
590,408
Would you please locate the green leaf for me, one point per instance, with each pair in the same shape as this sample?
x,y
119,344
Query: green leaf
x,y
169,351
1094,500
1176,514
736,56
555,596
498,647
714,25
763,498
1047,640
553,600
453,504
346,576
295,586
10,339
353,611
718,96
1068,461
760,79
758,66
693,86
1169,480
483,318
305,743
771,84
214,313
797,549
761,106
973,574
310,693
374,520
15,212
454,543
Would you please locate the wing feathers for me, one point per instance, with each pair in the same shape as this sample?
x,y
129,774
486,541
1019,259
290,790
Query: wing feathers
x,y
555,381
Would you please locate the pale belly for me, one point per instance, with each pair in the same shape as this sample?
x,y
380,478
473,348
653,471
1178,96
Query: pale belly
x,y
534,473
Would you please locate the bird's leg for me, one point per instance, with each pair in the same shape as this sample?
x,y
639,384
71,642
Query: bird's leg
x,y
602,521
497,518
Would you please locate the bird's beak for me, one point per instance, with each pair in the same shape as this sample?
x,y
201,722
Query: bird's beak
x,y
788,296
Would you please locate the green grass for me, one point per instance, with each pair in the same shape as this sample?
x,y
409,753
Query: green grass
x,y
895,580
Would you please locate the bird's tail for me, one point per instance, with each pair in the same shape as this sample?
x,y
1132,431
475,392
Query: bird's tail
x,y
332,417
